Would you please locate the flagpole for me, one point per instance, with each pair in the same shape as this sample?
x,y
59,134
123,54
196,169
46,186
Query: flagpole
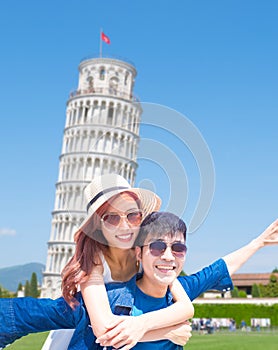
x,y
100,44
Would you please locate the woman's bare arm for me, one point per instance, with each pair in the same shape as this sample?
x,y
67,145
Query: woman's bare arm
x,y
133,329
178,334
96,300
107,326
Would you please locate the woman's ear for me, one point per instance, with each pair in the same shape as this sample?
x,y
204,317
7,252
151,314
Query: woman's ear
x,y
138,253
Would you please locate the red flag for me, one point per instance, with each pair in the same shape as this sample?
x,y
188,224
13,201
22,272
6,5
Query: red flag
x,y
105,38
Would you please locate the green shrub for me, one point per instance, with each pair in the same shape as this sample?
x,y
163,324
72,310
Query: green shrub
x,y
242,294
238,312
256,291
234,292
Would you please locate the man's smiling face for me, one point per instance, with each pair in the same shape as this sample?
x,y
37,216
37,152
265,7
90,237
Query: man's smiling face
x,y
163,263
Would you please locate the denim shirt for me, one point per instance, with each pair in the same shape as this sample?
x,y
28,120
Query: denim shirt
x,y
20,316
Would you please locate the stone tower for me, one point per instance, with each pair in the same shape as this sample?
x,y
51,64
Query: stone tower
x,y
101,136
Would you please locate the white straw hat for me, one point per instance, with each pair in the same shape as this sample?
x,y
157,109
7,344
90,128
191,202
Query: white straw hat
x,y
104,187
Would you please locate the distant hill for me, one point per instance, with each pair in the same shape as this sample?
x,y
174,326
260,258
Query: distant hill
x,y
11,276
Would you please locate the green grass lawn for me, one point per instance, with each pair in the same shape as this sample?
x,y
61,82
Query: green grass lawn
x,y
217,341
231,341
29,342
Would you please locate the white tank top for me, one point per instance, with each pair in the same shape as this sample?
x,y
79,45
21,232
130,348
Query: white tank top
x,y
60,338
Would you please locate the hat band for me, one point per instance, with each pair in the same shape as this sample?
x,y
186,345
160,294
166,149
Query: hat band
x,y
92,201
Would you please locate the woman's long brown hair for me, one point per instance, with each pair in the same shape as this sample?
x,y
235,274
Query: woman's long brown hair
x,y
86,253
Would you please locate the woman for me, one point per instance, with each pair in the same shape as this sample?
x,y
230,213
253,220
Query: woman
x,y
21,316
161,249
106,237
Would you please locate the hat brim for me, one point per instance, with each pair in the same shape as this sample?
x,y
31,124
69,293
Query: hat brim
x,y
150,202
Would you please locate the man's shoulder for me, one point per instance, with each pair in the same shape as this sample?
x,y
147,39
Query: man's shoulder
x,y
217,265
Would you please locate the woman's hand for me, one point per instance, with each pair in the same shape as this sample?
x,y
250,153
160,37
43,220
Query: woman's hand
x,y
270,235
237,258
180,334
125,334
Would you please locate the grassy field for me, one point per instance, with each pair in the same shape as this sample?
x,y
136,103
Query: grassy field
x,y
30,342
235,340
217,341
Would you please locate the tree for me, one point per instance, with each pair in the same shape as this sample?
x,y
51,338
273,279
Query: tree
x,y
272,278
20,286
234,292
182,273
256,292
4,293
272,286
275,270
27,289
271,289
34,292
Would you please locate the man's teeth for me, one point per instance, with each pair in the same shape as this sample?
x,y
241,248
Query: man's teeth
x,y
162,267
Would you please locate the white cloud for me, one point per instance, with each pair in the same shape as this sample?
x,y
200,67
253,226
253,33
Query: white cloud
x,y
7,232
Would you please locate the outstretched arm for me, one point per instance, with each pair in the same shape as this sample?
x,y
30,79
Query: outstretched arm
x,y
130,330
21,316
237,258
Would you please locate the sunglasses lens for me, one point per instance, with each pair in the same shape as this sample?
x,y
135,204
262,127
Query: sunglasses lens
x,y
134,218
157,248
111,219
179,249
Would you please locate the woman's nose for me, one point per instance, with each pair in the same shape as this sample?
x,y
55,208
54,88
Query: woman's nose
x,y
124,222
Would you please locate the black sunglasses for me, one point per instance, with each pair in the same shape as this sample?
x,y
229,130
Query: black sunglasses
x,y
157,248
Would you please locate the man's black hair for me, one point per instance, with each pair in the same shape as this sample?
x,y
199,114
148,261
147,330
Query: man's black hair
x,y
159,224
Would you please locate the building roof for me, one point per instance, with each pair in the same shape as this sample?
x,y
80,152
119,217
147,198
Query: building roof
x,y
248,279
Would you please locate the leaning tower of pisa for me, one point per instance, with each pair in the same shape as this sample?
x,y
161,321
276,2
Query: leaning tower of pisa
x,y
101,136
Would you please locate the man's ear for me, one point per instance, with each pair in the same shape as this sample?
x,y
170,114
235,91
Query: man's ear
x,y
138,253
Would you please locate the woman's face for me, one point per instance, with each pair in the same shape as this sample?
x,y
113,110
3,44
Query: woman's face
x,y
121,232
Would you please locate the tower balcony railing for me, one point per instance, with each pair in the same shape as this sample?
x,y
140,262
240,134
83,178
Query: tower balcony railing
x,y
96,56
104,91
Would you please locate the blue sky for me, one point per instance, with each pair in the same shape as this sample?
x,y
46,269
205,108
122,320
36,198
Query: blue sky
x,y
214,62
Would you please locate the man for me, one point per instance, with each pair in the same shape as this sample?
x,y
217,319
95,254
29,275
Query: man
x,y
161,250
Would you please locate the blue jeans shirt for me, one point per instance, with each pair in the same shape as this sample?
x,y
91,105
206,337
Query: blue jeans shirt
x,y
20,316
